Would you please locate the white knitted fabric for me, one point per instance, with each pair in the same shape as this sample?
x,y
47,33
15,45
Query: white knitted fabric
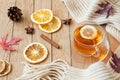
x,y
60,70
111,29
97,71
56,70
80,10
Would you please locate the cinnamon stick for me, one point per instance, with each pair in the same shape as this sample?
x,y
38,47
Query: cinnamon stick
x,y
50,41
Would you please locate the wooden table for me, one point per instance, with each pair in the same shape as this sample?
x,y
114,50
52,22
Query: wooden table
x,y
64,36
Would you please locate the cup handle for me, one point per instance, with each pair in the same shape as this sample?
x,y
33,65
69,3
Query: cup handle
x,y
97,53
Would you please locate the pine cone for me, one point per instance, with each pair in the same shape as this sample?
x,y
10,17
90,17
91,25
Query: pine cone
x,y
14,13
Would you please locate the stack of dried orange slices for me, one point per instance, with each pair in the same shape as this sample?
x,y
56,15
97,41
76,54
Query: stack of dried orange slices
x,y
46,21
5,68
35,53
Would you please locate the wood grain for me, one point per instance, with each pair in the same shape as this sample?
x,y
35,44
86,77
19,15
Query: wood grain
x,y
6,28
64,37
18,31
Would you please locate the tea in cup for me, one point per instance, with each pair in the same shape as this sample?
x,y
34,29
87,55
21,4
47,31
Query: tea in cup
x,y
91,40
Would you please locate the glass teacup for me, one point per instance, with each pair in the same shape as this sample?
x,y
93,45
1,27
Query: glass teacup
x,y
90,40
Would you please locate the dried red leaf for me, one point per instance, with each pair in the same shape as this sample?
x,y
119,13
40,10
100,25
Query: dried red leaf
x,y
8,45
115,64
106,8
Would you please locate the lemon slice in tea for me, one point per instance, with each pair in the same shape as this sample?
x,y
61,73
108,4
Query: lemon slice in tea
x,y
42,16
7,69
2,66
88,32
35,53
52,26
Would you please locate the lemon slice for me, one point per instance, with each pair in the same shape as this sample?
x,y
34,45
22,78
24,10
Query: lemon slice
x,y
2,66
88,32
52,26
42,16
35,52
7,69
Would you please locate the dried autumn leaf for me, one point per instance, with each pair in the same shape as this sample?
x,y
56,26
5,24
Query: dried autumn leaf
x,y
8,45
106,8
115,64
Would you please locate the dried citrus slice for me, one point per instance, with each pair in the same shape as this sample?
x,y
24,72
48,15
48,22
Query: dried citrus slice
x,y
88,32
2,66
42,16
52,26
7,69
35,52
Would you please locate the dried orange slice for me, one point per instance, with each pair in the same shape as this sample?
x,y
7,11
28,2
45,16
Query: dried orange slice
x,y
52,26
88,32
42,16
7,69
35,52
2,66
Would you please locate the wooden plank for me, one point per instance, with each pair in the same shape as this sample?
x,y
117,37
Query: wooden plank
x,y
62,37
18,31
6,26
42,4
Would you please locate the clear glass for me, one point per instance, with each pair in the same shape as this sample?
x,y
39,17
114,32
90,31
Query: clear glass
x,y
99,50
